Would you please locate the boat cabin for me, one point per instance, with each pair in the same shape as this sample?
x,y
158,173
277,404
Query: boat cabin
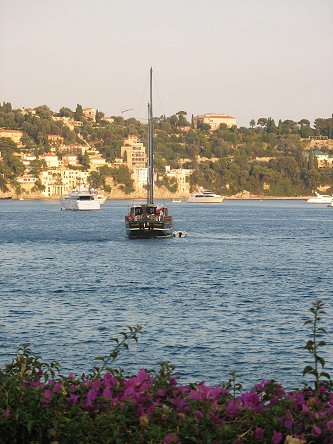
x,y
147,212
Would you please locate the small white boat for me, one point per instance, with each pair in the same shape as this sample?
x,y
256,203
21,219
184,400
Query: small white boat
x,y
81,200
320,199
205,196
179,234
176,200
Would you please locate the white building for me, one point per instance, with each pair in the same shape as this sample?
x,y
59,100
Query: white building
x,y
59,182
214,120
52,161
140,177
182,177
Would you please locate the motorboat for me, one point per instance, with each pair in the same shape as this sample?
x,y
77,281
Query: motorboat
x,y
176,200
81,200
148,220
320,199
205,196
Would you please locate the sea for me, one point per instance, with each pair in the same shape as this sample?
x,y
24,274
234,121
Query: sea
x,y
231,296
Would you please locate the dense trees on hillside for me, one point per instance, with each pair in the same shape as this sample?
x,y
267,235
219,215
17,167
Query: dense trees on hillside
x,y
266,158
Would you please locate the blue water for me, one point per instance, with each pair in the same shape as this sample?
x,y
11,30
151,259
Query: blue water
x,y
233,295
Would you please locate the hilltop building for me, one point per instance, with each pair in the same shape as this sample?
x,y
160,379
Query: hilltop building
x,y
214,120
89,113
133,153
14,135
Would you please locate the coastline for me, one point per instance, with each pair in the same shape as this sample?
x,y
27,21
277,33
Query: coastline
x,y
139,197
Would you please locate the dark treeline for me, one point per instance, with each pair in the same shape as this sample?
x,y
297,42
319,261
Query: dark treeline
x,y
267,158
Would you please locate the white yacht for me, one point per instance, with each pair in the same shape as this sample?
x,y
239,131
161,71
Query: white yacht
x,y
81,200
205,196
321,199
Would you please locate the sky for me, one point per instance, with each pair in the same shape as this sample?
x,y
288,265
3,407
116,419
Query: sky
x,y
247,58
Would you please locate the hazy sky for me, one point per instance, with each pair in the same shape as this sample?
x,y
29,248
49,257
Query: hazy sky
x,y
247,58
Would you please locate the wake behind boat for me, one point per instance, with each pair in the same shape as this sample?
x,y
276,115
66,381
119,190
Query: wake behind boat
x,y
205,196
320,199
149,220
81,200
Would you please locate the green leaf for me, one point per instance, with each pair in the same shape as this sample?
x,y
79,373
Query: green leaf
x,y
321,360
307,369
326,375
30,426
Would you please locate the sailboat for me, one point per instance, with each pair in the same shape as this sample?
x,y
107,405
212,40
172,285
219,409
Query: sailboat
x,y
148,220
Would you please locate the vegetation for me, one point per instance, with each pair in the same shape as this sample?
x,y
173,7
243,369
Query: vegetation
x,y
39,404
266,158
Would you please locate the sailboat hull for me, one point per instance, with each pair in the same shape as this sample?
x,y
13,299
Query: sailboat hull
x,y
148,230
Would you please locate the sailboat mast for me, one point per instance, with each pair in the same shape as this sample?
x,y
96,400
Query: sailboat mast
x,y
150,196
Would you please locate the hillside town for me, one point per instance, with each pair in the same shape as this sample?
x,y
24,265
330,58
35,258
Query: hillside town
x,y
74,152
60,174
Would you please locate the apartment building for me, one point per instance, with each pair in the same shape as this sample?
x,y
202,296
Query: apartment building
x,y
55,139
89,113
214,120
61,181
14,135
140,177
133,153
51,160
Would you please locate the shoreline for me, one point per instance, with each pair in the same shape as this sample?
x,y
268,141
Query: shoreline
x,y
183,199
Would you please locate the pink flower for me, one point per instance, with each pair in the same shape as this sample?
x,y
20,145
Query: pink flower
x,y
330,425
57,387
48,395
73,399
259,433
276,438
109,380
198,415
6,413
250,399
96,385
316,431
170,438
107,393
91,396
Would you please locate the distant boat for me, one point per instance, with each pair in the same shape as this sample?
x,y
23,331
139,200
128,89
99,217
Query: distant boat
x,y
176,200
81,200
320,199
148,220
6,198
205,196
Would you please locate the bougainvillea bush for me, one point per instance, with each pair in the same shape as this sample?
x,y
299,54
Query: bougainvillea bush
x,y
39,405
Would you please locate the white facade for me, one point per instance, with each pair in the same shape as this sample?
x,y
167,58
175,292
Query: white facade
x,y
181,175
62,181
52,161
140,177
215,120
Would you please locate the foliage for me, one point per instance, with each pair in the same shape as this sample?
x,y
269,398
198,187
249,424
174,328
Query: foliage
x,y
39,404
315,343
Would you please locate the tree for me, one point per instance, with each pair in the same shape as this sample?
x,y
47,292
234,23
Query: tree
x,y
262,122
66,112
78,112
252,123
44,112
